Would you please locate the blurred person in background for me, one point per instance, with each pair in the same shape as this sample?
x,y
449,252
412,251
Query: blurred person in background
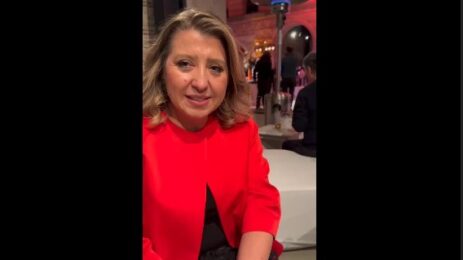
x,y
305,112
264,73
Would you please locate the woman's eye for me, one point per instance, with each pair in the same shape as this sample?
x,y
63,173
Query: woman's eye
x,y
217,69
183,64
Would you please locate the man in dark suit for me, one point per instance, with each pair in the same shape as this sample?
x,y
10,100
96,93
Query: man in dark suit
x,y
304,114
288,72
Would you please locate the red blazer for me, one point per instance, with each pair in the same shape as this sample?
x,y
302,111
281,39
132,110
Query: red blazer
x,y
178,164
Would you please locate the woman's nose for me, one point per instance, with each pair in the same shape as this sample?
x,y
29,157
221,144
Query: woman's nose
x,y
200,80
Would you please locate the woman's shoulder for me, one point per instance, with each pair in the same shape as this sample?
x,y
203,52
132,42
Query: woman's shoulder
x,y
146,122
148,127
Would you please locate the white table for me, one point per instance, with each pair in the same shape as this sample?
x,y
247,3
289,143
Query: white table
x,y
273,138
295,177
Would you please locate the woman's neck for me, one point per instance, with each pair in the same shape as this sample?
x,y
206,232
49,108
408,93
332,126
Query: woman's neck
x,y
192,125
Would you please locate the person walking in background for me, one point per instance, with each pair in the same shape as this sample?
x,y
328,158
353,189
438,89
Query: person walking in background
x,y
288,72
264,73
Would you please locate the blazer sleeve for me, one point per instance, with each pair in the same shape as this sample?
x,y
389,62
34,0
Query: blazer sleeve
x,y
148,253
147,248
262,211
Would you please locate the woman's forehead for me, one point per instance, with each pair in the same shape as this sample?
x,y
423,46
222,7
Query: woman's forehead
x,y
191,42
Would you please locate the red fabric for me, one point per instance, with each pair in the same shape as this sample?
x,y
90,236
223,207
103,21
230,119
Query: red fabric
x,y
148,253
178,164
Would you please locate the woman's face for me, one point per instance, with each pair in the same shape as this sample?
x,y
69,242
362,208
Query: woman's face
x,y
196,77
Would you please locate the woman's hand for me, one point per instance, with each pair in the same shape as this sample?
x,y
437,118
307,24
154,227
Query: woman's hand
x,y
255,245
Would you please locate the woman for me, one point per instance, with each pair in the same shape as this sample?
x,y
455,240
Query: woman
x,y
264,73
206,193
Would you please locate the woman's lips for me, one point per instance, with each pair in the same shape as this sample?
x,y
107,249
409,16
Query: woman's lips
x,y
198,100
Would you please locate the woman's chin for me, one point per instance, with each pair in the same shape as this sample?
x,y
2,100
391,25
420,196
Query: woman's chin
x,y
199,115
196,113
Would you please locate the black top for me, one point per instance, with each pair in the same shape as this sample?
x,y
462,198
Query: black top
x,y
214,244
213,235
263,69
304,114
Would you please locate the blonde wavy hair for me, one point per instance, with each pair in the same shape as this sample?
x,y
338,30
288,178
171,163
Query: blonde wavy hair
x,y
236,106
